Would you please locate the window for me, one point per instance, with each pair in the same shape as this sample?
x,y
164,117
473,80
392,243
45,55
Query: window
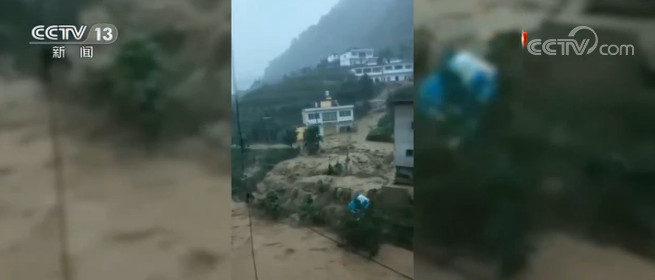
x,y
358,70
367,70
345,113
329,116
353,53
408,66
312,116
377,69
409,153
396,78
369,53
398,67
388,67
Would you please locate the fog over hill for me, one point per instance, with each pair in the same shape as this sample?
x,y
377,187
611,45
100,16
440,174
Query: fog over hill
x,y
351,23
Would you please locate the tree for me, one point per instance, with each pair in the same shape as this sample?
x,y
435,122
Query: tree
x,y
289,137
312,139
366,88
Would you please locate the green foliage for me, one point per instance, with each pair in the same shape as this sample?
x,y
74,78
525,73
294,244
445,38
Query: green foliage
x,y
312,139
337,170
271,205
384,130
363,234
310,213
330,170
289,137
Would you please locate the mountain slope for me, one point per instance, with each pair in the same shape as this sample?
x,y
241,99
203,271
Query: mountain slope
x,y
351,23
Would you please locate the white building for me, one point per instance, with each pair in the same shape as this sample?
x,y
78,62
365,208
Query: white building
x,y
329,116
395,71
332,57
403,140
356,56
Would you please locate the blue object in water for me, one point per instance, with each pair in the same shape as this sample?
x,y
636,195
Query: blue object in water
x,y
478,78
358,204
430,95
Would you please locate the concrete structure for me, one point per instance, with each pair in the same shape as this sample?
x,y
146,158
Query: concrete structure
x,y
329,116
403,141
395,71
332,57
356,56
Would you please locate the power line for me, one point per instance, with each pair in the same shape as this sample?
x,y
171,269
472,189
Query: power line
x,y
60,190
252,249
361,255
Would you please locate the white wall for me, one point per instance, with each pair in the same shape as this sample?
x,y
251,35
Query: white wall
x,y
403,134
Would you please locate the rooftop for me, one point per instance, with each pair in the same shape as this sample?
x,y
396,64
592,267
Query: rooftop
x,y
328,108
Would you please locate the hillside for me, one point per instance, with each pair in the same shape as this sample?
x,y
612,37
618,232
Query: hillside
x,y
351,23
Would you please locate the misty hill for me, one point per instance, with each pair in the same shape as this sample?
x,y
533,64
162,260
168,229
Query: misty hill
x,y
351,23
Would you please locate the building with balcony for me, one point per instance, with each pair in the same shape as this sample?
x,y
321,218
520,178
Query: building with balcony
x,y
356,56
394,71
329,116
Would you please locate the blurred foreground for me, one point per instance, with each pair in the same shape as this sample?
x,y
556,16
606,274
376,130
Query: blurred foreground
x,y
555,180
153,207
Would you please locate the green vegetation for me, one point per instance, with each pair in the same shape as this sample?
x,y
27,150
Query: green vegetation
x,y
311,213
363,234
384,130
312,140
289,137
337,170
271,205
277,107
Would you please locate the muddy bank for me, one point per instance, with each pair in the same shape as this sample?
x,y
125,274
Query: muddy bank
x,y
130,215
285,252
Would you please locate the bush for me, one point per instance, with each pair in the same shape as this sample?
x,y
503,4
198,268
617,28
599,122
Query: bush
x,y
312,139
364,234
384,130
311,213
379,135
272,204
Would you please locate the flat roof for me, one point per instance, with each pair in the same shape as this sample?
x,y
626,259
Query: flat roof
x,y
328,108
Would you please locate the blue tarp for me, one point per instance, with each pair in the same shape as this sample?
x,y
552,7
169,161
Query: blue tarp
x,y
358,205
475,78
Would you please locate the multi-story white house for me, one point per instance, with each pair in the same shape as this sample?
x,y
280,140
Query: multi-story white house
x,y
395,71
356,56
403,140
329,116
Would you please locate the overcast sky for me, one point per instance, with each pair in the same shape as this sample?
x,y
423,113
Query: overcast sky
x,y
263,29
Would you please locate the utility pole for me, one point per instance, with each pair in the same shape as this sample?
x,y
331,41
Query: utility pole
x,y
236,105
